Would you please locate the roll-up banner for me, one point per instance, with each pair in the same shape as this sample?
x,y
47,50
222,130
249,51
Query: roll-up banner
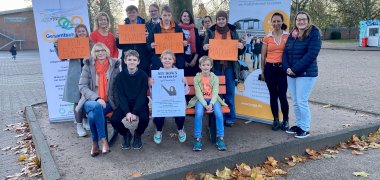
x,y
254,17
57,19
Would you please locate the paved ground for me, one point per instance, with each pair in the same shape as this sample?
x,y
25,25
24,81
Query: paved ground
x,y
21,84
348,79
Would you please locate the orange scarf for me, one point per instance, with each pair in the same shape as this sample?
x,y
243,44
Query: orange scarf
x,y
170,30
101,71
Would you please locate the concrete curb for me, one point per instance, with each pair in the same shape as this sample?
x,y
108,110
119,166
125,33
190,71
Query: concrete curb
x,y
48,166
258,156
353,49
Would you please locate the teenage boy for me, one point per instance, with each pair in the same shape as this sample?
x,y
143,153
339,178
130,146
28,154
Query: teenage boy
x,y
166,25
131,87
145,55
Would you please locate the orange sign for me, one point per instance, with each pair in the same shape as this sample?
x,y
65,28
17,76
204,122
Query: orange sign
x,y
172,41
73,48
223,49
132,34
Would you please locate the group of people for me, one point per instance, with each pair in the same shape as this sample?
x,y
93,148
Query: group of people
x,y
102,83
253,47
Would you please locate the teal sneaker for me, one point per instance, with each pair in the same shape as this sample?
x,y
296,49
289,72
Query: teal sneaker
x,y
197,145
182,135
157,137
220,145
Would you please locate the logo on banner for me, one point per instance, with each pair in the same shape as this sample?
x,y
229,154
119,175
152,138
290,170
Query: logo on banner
x,y
50,35
67,24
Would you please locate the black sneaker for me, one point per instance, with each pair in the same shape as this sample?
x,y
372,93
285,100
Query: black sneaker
x,y
137,144
293,130
276,125
285,125
127,141
302,134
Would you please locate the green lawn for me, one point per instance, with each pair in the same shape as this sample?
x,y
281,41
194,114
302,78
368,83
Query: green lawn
x,y
343,41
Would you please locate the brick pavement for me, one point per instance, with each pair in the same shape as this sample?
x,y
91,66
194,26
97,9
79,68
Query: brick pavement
x,y
21,84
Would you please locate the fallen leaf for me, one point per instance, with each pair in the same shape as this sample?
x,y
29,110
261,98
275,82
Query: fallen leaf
x,y
271,161
135,174
190,176
279,172
173,135
257,176
20,135
327,106
343,145
207,176
332,151
355,138
297,159
225,174
374,145
361,174
327,156
354,152
291,164
6,149
244,169
22,157
53,145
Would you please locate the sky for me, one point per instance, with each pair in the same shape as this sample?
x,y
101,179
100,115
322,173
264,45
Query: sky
x,y
19,4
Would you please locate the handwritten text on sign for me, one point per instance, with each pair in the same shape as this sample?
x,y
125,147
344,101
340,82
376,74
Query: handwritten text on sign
x,y
73,48
172,41
223,49
132,34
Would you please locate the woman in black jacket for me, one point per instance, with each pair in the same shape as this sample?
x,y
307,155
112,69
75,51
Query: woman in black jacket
x,y
300,64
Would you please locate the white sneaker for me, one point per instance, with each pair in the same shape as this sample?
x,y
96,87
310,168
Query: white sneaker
x,y
80,130
157,137
182,135
86,126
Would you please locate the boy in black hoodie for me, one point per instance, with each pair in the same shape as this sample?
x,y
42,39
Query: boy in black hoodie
x,y
131,88
142,49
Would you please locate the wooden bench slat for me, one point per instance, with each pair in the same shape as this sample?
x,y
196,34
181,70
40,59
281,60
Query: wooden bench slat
x,y
225,109
222,90
190,80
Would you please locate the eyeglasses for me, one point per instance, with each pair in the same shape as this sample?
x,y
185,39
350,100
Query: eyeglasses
x,y
299,20
100,50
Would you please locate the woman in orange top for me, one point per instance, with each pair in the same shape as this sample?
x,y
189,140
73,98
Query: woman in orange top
x,y
102,34
274,75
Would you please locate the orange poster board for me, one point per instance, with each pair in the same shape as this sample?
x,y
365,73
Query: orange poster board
x,y
223,49
172,41
132,34
73,48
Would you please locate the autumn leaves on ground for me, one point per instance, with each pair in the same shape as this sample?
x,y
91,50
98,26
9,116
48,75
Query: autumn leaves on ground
x,y
25,149
272,167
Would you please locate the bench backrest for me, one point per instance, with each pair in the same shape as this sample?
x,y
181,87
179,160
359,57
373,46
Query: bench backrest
x,y
222,84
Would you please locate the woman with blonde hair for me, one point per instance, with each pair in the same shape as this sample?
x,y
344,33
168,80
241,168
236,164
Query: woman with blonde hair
x,y
96,85
102,34
300,63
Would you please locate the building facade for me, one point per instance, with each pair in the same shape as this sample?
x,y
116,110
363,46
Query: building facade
x,y
17,27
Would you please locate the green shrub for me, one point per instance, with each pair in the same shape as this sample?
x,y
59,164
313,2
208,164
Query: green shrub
x,y
335,35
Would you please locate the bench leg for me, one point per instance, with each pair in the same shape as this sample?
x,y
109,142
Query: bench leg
x,y
212,127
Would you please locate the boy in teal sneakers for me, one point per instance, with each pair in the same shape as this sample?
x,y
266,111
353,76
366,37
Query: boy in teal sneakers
x,y
206,97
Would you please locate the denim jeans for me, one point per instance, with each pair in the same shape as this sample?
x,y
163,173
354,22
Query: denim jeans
x,y
199,110
257,60
300,89
229,97
248,48
95,114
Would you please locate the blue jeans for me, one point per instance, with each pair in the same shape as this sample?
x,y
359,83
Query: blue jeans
x,y
300,89
199,110
95,114
248,48
229,97
256,61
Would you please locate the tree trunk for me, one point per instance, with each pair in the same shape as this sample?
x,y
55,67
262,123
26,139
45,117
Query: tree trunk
x,y
178,5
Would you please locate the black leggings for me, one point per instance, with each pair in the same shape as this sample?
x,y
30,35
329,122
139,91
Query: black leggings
x,y
159,122
275,77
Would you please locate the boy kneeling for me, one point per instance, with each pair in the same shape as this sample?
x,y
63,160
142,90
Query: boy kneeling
x,y
206,85
131,87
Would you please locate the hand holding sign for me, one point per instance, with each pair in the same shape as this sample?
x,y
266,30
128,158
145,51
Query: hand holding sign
x,y
165,41
132,34
73,48
223,49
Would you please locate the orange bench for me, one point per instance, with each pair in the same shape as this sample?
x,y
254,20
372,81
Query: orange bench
x,y
211,117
